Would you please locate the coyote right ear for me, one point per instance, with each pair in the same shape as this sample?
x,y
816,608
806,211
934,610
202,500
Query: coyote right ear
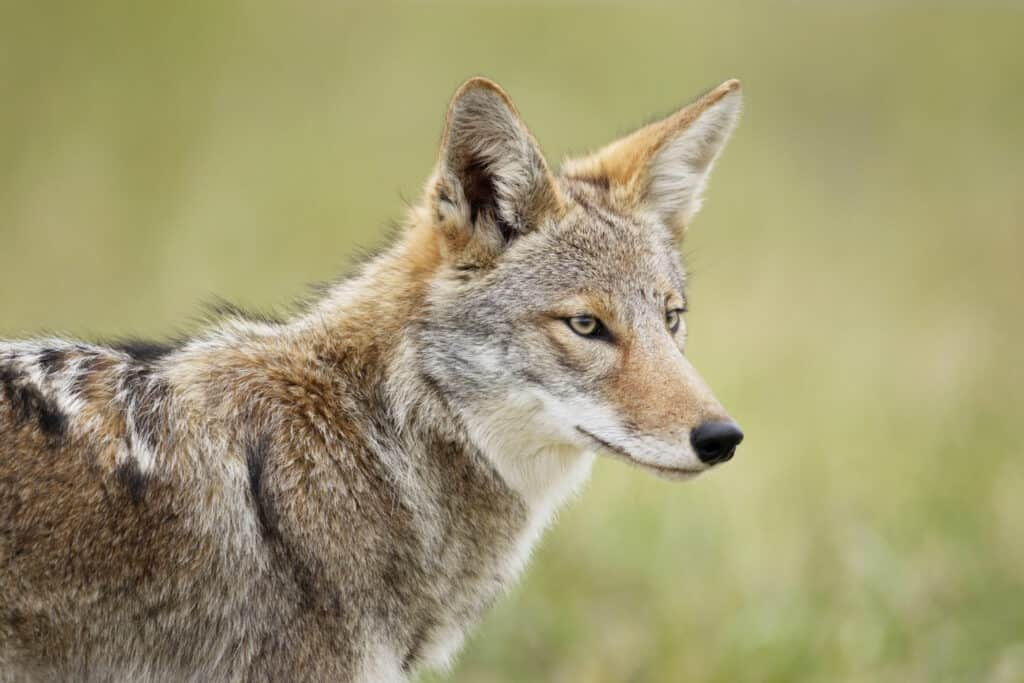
x,y
664,167
492,183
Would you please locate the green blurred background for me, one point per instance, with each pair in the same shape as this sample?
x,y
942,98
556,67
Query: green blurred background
x,y
856,297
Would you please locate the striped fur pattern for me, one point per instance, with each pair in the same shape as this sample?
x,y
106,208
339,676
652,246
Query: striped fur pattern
x,y
341,494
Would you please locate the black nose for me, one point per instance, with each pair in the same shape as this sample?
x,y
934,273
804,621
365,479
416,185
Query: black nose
x,y
715,442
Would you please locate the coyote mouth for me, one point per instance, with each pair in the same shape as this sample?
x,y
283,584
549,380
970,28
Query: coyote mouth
x,y
621,454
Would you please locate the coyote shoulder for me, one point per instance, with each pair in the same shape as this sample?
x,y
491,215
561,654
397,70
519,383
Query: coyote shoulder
x,y
339,495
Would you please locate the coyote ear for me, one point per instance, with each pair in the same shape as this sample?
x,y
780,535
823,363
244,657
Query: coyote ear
x,y
664,167
492,183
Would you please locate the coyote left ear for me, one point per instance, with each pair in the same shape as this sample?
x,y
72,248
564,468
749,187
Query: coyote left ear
x,y
664,167
492,183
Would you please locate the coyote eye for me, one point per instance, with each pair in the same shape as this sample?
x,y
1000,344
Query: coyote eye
x,y
588,326
672,319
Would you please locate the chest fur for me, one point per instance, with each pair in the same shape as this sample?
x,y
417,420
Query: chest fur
x,y
554,476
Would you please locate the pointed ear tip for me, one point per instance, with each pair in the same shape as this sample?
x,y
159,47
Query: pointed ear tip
x,y
725,100
482,83
731,90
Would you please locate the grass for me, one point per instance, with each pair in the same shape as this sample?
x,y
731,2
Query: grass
x,y
856,291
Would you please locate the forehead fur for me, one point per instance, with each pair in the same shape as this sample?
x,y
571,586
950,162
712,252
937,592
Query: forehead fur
x,y
598,248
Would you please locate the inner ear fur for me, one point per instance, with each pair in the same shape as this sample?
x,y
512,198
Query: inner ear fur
x,y
492,183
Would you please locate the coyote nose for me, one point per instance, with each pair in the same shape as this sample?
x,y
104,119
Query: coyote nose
x,y
715,442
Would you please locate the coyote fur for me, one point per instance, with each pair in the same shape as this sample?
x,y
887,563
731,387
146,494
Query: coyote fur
x,y
339,495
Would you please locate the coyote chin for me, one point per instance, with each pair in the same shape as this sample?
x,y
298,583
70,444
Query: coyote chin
x,y
340,494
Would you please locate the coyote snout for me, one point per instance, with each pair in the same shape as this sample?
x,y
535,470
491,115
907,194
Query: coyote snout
x,y
659,413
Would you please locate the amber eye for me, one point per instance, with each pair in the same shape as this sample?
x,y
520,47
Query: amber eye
x,y
672,319
587,326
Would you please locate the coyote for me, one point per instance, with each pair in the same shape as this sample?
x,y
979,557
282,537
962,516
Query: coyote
x,y
340,494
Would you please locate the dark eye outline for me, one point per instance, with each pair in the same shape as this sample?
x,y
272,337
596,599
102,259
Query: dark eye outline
x,y
598,331
673,319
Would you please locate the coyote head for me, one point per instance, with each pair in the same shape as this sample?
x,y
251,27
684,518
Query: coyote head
x,y
556,319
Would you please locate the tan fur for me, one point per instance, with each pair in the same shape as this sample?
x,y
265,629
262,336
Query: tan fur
x,y
655,393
